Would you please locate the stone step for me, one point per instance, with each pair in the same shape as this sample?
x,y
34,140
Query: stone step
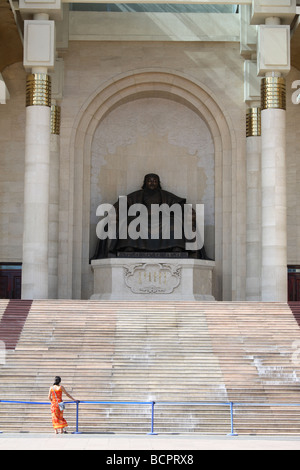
x,y
172,351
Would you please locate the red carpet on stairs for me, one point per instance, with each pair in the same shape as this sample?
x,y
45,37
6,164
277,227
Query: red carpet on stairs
x,y
12,322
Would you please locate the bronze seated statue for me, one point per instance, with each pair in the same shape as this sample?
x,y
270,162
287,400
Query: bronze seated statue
x,y
151,238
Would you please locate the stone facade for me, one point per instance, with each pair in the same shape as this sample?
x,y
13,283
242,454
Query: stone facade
x,y
175,108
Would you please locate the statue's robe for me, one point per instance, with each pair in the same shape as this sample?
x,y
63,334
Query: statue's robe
x,y
147,197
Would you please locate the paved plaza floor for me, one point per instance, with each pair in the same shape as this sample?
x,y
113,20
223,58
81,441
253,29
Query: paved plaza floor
x,y
134,443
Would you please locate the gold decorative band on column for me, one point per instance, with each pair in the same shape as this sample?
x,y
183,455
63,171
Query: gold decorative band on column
x,y
38,90
253,122
273,94
55,119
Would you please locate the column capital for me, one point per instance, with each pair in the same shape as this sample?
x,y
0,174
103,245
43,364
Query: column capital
x,y
39,44
52,8
251,82
38,90
253,122
273,93
263,9
57,79
55,119
248,33
273,49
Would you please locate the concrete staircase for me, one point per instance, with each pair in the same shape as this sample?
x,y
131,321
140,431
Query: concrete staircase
x,y
184,352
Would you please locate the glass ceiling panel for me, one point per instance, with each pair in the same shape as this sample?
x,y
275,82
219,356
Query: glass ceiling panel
x,y
150,7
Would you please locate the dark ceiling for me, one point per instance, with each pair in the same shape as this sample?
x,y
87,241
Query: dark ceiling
x,y
11,48
295,48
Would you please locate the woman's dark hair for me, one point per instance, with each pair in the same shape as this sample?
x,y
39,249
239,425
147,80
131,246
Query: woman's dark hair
x,y
57,380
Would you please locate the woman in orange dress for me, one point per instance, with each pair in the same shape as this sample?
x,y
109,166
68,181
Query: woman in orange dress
x,y
58,419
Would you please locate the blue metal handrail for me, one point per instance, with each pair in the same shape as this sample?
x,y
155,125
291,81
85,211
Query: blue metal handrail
x,y
89,402
153,403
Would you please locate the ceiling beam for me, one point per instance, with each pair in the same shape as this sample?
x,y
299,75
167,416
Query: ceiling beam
x,y
180,2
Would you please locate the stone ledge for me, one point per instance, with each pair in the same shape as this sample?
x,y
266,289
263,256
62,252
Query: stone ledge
x,y
152,279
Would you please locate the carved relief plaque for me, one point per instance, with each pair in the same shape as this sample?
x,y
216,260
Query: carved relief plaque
x,y
152,278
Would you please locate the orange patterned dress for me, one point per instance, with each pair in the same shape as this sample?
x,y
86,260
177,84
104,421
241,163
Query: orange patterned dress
x,y
58,420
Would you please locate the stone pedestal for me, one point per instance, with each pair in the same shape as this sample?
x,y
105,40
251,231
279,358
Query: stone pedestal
x,y
152,279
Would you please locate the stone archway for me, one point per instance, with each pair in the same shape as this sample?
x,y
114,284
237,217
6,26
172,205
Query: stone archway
x,y
166,84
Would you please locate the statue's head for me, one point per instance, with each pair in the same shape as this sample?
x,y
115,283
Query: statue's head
x,y
151,181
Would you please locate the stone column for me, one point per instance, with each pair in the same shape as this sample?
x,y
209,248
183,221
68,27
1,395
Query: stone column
x,y
39,41
54,201
253,148
274,20
36,187
273,180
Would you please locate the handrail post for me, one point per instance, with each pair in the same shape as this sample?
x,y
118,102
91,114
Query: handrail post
x,y
1,432
152,433
232,433
77,416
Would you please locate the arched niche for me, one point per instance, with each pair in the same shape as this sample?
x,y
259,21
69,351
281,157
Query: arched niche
x,y
151,84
